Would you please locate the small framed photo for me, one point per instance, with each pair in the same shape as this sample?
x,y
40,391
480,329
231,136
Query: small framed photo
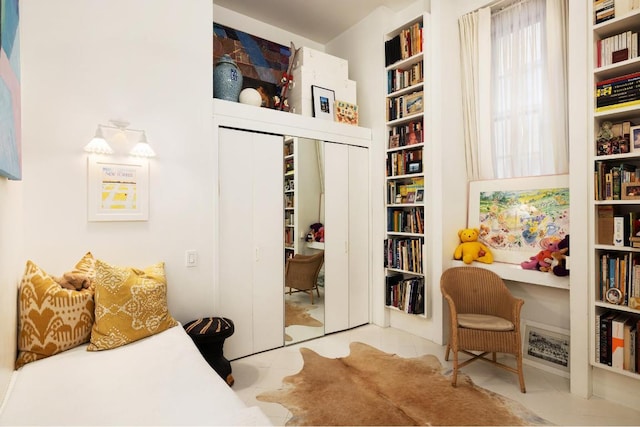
x,y
613,296
323,102
414,167
546,347
630,191
411,197
117,191
635,138
346,113
420,195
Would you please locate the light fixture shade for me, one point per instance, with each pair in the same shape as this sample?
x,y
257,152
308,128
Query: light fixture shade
x,y
142,148
98,144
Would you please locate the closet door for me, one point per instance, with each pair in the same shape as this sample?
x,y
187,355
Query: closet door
x,y
346,237
336,236
250,240
359,220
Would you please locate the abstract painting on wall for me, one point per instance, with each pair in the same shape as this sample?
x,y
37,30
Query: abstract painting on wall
x,y
10,130
261,62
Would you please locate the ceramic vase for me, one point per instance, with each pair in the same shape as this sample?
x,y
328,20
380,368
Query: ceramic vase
x,y
227,79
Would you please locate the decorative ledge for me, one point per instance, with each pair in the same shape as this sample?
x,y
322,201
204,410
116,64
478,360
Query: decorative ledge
x,y
516,273
315,245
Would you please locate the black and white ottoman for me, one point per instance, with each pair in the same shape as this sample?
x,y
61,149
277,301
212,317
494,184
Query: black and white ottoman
x,y
208,334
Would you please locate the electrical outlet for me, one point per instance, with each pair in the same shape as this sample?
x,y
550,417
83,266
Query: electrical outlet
x,y
191,258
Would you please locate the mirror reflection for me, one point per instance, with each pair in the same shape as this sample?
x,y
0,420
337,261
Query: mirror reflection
x,y
303,239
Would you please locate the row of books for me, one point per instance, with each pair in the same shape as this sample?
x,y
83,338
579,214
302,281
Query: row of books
x,y
616,48
404,254
403,192
405,105
617,343
404,45
610,180
401,78
405,294
406,220
619,279
603,10
614,138
618,92
404,163
406,134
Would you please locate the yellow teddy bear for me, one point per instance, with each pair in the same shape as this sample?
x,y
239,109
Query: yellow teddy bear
x,y
470,249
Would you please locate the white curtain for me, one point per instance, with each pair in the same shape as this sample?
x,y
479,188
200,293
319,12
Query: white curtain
x,y
521,129
474,44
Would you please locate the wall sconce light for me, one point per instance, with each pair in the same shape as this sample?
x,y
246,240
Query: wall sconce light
x,y
99,144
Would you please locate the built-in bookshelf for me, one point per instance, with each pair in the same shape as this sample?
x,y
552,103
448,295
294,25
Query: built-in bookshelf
x,y
615,279
404,260
290,199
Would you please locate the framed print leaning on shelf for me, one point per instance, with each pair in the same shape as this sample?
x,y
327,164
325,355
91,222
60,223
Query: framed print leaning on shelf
x,y
323,102
117,191
546,347
635,138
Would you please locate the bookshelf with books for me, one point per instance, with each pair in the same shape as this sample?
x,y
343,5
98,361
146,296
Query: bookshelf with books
x,y
290,199
404,243
615,236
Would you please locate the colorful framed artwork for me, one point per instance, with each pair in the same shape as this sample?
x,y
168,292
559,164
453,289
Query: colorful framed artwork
x,y
117,191
10,119
517,217
262,62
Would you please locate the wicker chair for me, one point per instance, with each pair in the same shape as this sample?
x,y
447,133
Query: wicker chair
x,y
301,273
485,318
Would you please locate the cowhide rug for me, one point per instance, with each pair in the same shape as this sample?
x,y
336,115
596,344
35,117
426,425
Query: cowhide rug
x,y
370,387
298,314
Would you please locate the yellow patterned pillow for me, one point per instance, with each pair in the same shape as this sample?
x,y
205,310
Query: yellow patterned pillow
x,y
52,319
131,304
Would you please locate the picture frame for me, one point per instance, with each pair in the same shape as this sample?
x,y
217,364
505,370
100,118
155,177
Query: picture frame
x,y
346,112
323,102
411,197
516,216
635,138
420,195
546,347
630,191
614,296
414,167
117,190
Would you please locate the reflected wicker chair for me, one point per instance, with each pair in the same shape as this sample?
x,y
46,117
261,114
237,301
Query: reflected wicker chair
x,y
485,318
301,273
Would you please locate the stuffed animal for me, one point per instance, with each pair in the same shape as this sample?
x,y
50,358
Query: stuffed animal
x,y
74,281
316,233
560,256
470,249
543,259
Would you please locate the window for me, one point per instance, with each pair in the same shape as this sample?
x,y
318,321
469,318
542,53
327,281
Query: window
x,y
518,96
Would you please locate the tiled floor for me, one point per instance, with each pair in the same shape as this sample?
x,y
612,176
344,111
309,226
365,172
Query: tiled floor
x,y
547,394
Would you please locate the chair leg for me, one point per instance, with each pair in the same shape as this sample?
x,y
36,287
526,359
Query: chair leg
x,y
520,373
446,353
454,376
311,294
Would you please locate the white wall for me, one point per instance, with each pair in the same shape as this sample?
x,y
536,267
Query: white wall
x,y
12,264
148,62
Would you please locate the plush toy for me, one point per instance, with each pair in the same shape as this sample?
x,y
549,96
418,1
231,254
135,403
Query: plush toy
x,y
316,233
74,281
542,260
560,256
470,249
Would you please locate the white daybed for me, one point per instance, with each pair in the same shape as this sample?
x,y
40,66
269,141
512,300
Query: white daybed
x,y
158,380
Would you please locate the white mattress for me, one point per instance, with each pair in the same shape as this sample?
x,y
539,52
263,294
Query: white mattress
x,y
159,380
